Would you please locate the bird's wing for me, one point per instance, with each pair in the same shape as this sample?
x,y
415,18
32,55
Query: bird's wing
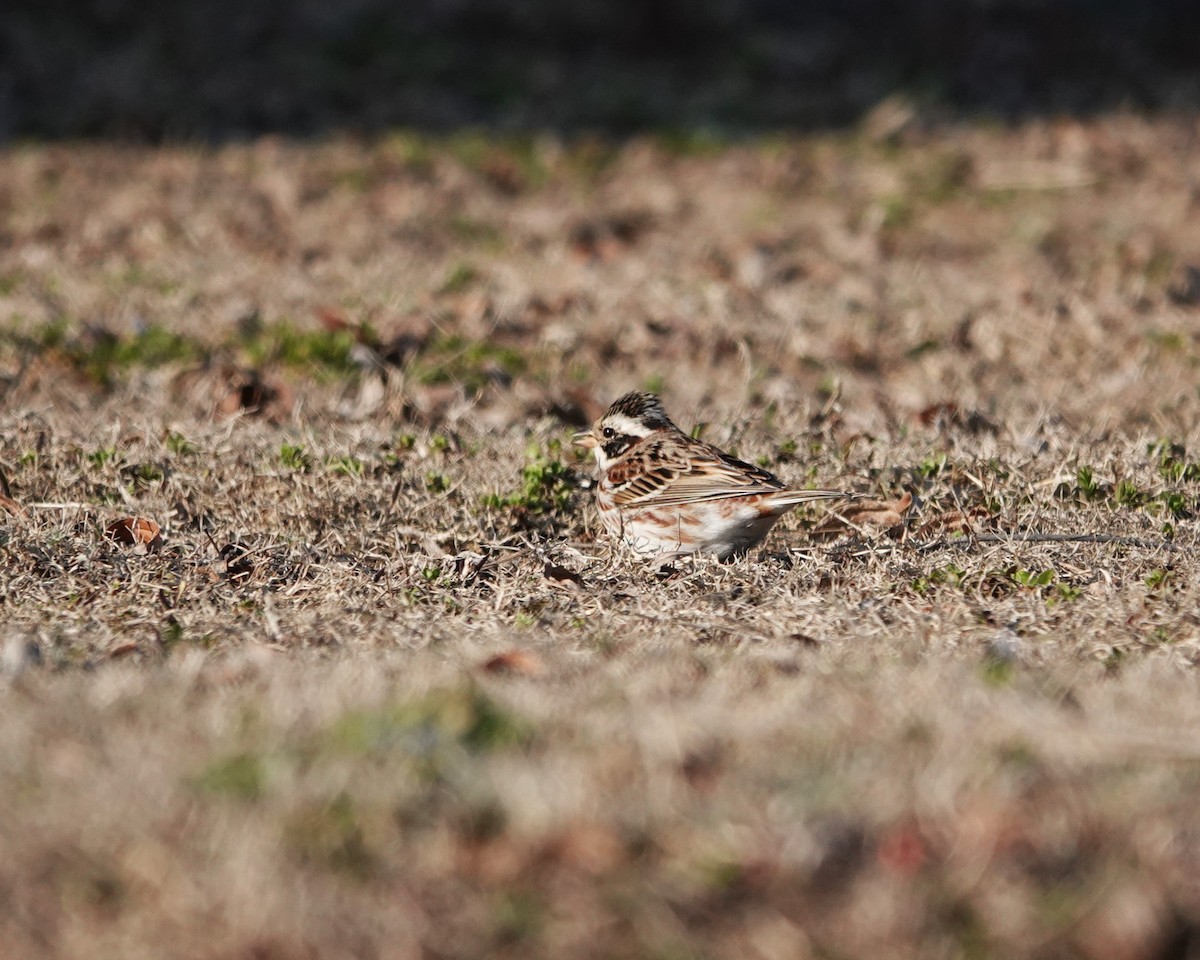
x,y
665,472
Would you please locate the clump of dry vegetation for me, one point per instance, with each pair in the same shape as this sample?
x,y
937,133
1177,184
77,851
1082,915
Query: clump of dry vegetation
x,y
310,645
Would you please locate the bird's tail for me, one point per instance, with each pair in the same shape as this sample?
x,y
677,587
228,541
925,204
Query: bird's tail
x,y
785,498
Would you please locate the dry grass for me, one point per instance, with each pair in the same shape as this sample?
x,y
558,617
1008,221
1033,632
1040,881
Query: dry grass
x,y
380,692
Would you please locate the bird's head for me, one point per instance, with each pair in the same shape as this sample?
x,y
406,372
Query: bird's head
x,y
628,420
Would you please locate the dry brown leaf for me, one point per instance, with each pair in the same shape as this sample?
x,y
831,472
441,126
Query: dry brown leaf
x,y
553,306
948,414
503,173
945,413
9,505
515,661
589,847
952,521
879,513
884,515
902,849
135,531
122,648
333,320
251,392
491,859
607,237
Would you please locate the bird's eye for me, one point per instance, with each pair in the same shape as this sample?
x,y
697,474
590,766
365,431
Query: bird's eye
x,y
608,433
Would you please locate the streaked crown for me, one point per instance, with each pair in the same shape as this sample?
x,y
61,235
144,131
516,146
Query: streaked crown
x,y
629,419
644,408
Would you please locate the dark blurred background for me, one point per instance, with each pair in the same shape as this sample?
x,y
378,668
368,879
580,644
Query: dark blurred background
x,y
155,70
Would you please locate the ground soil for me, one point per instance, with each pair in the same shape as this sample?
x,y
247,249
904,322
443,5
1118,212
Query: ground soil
x,y
312,645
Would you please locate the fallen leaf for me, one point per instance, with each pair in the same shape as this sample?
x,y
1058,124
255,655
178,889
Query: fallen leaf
x,y
252,392
332,319
886,515
488,859
948,414
953,521
135,531
902,850
945,413
9,505
515,661
605,238
229,389
503,173
589,847
542,308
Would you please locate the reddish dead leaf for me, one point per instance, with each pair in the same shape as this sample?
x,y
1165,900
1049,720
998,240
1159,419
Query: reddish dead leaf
x,y
949,414
864,358
122,648
591,848
10,506
886,515
953,521
503,173
515,661
135,531
880,513
901,850
491,859
249,391
538,307
333,319
718,265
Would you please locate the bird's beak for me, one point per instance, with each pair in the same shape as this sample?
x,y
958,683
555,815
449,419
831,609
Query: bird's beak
x,y
585,439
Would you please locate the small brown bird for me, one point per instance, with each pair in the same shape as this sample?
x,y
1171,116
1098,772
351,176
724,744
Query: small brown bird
x,y
666,494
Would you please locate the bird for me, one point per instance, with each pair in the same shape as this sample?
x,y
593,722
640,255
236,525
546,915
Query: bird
x,y
665,494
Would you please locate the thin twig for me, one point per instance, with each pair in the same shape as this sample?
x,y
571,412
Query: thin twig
x,y
969,541
1057,538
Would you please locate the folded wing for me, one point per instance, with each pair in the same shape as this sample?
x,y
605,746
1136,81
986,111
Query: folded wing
x,y
666,474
